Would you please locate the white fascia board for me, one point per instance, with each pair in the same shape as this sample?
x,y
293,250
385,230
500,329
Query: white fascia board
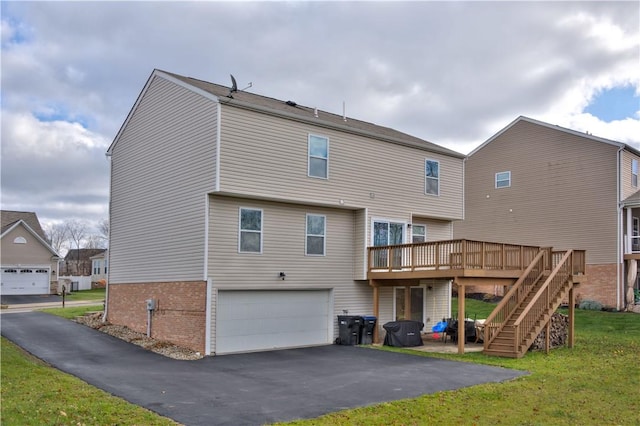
x,y
33,233
555,127
161,74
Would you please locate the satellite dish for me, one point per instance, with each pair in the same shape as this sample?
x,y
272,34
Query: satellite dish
x,y
234,85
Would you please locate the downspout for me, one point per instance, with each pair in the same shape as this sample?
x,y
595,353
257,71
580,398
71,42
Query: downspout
x,y
619,248
108,257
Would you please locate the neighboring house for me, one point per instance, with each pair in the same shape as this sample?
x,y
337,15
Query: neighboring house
x,y
78,262
245,220
99,269
541,184
29,263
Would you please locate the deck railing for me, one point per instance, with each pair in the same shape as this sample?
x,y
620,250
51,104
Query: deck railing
x,y
450,254
516,294
548,272
545,298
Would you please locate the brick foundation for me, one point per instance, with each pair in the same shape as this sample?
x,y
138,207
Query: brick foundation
x,y
600,285
180,313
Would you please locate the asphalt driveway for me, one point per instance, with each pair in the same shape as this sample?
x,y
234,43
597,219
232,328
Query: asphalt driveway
x,y
246,389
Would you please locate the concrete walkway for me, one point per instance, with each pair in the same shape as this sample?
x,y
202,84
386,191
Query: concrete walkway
x,y
246,389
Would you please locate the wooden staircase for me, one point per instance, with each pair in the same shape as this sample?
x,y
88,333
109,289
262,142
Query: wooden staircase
x,y
527,307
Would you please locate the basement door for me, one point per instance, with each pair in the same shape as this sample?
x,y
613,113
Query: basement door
x,y
259,320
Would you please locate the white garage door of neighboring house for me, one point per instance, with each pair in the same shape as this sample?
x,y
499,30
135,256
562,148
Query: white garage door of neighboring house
x,y
254,320
18,281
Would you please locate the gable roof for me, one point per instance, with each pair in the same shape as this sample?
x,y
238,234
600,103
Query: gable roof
x,y
29,220
632,201
9,218
82,254
589,136
290,110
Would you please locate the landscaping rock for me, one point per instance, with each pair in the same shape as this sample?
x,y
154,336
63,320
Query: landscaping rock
x,y
94,320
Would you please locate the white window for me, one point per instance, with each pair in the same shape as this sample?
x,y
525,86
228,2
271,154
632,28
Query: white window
x,y
96,267
634,172
503,179
418,234
432,177
387,233
635,241
250,231
20,240
105,265
316,231
318,156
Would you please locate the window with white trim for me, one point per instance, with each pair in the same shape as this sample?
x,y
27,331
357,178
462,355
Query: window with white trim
x,y
634,173
418,233
20,240
96,267
315,244
318,157
503,179
432,177
250,231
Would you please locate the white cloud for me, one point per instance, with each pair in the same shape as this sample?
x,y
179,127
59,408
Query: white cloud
x,y
57,169
452,73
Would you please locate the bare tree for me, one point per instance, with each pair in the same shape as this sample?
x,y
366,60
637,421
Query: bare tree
x,y
94,241
103,228
77,231
58,235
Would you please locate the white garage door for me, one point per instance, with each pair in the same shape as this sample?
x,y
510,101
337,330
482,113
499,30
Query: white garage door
x,y
17,281
254,320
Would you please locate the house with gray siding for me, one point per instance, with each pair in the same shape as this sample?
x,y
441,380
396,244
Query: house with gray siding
x,y
245,220
540,184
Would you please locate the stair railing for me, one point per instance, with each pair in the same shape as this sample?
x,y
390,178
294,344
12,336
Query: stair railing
x,y
516,294
544,299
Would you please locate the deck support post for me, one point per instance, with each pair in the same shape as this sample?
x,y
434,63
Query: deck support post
x,y
376,310
547,340
461,296
572,317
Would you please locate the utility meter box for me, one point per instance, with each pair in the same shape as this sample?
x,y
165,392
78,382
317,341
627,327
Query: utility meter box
x,y
151,304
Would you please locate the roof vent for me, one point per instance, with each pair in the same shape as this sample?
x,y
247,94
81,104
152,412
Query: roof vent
x,y
291,103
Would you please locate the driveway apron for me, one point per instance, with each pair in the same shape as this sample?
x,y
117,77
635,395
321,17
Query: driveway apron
x,y
244,389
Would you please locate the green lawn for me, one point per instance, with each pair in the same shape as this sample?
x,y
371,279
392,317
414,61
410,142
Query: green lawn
x,y
33,393
595,383
93,294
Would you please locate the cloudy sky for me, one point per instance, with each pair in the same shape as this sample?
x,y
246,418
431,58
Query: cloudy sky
x,y
452,73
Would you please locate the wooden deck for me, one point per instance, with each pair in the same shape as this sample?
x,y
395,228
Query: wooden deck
x,y
454,258
465,262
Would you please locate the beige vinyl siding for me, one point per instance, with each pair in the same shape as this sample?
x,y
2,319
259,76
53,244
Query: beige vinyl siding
x,y
360,244
267,156
33,253
437,301
437,230
627,189
562,194
284,251
162,166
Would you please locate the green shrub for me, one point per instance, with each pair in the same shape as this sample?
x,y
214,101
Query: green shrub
x,y
636,293
590,305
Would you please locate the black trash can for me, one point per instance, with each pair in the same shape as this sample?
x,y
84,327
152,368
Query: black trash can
x,y
349,329
403,333
368,326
